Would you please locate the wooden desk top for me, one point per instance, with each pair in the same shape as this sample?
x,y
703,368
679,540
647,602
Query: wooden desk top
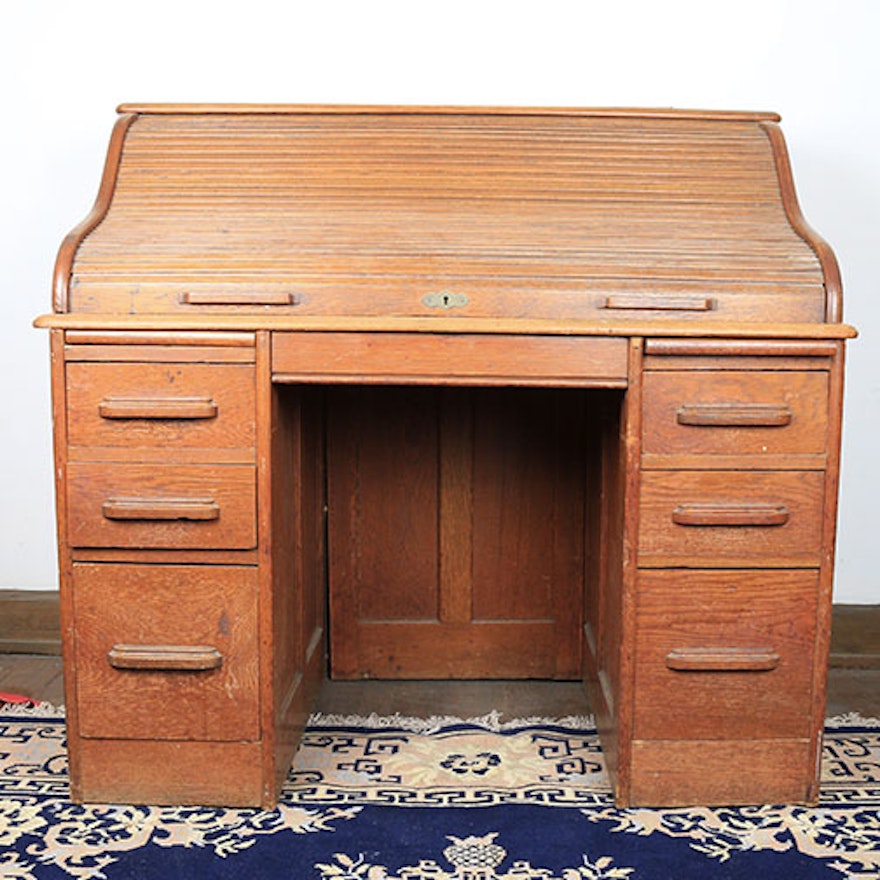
x,y
240,320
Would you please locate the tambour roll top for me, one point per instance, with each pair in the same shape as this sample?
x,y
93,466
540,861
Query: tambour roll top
x,y
558,214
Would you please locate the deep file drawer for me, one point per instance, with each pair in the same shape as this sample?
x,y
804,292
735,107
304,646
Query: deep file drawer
x,y
162,506
724,654
723,519
166,652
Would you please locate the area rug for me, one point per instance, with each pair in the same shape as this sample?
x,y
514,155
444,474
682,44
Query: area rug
x,y
401,799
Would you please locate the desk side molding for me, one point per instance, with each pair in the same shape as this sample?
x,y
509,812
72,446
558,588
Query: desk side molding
x,y
826,257
70,244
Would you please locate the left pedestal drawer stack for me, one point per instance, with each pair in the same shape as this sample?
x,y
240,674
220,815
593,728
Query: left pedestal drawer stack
x,y
160,583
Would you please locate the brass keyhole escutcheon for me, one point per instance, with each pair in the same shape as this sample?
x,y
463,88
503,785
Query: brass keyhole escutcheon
x,y
445,299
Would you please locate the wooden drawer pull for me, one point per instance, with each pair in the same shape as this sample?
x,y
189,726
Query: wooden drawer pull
x,y
730,515
165,658
161,508
234,298
157,408
734,415
722,659
649,302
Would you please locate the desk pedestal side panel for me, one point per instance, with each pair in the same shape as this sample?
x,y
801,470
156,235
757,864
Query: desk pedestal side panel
x,y
717,695
294,564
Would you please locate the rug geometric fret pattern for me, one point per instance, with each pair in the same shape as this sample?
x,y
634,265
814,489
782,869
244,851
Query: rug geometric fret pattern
x,y
400,799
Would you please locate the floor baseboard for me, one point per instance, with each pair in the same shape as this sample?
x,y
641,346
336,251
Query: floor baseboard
x,y
855,637
29,624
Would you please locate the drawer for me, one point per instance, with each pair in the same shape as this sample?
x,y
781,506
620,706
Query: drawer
x,y
166,652
168,506
760,414
706,519
450,359
724,654
161,406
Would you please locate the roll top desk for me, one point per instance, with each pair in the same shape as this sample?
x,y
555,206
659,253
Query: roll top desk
x,y
445,393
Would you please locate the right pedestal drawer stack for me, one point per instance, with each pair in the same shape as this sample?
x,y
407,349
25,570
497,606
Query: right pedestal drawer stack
x,y
732,590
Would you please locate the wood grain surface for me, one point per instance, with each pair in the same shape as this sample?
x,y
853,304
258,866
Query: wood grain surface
x,y
365,212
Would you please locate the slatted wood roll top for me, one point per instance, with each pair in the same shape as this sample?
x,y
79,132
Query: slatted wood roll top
x,y
599,215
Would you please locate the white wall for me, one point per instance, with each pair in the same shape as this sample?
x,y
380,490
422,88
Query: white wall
x,y
64,66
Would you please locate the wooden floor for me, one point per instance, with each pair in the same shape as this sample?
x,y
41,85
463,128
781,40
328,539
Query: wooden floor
x,y
40,678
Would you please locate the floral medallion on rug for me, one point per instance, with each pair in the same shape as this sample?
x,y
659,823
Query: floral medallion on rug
x,y
400,799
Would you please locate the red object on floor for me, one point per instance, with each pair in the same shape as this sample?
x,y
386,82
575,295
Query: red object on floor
x,y
14,698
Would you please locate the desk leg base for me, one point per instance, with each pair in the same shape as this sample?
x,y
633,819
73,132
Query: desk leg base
x,y
720,772
170,772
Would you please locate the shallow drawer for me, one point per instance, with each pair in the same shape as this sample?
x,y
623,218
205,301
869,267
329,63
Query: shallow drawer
x,y
724,654
450,359
164,406
705,519
166,652
761,414
170,506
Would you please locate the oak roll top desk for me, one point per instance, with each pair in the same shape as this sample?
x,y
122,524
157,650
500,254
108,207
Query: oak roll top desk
x,y
445,393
